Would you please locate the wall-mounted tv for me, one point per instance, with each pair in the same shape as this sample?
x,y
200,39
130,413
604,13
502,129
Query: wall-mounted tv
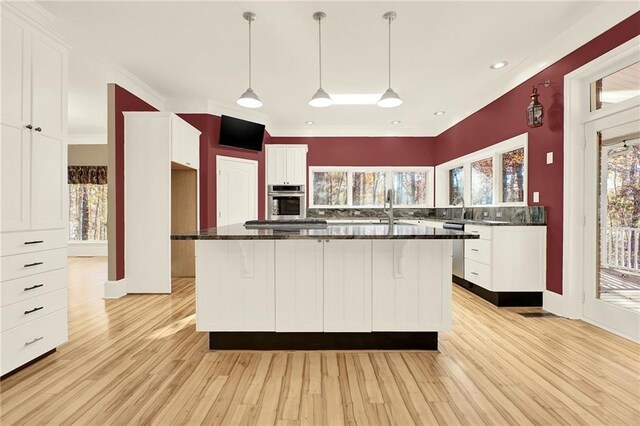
x,y
241,133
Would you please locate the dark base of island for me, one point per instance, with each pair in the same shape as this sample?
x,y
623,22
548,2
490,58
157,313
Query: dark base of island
x,y
503,299
269,341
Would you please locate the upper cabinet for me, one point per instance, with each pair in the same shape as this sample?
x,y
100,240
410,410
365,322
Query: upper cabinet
x,y
34,108
286,164
185,143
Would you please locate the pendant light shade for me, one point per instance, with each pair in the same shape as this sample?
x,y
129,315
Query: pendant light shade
x,y
390,98
249,99
321,98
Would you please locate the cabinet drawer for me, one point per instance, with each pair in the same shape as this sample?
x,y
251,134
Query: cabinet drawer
x,y
22,344
477,273
30,241
29,310
32,286
483,231
478,250
22,265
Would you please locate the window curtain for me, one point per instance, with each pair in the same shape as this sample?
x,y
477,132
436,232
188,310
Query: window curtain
x,y
96,175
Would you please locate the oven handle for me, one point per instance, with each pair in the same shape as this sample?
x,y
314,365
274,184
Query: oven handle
x,y
286,194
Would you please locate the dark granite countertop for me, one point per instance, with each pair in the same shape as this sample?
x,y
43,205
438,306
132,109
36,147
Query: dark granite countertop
x,y
331,232
496,222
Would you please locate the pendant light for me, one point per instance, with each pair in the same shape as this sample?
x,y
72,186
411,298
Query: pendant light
x,y
321,98
390,98
249,99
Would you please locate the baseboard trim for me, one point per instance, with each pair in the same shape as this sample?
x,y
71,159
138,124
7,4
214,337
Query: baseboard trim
x,y
270,341
502,299
115,289
635,339
554,303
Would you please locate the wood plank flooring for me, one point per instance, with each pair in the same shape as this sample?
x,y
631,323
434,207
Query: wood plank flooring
x,y
138,360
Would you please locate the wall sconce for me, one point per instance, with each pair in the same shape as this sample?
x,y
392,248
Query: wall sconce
x,y
535,110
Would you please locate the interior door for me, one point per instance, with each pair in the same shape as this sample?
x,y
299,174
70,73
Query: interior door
x,y
612,219
237,190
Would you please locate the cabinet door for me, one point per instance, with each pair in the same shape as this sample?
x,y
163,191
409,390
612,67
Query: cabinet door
x,y
276,165
235,285
347,285
411,288
48,83
14,176
49,197
176,141
299,285
15,74
296,165
191,147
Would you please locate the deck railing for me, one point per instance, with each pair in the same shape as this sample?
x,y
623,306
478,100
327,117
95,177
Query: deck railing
x,y
621,248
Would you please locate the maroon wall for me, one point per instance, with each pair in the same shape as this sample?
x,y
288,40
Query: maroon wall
x,y
505,118
124,101
209,125
365,151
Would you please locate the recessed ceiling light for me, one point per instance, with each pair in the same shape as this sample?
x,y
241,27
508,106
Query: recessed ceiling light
x,y
396,122
310,122
499,65
439,113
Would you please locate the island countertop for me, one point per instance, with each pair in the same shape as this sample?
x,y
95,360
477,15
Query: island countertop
x,y
373,231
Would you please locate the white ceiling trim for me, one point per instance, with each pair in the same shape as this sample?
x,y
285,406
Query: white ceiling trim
x,y
36,16
119,75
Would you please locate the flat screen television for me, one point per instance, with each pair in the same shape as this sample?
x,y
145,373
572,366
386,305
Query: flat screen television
x,y
241,133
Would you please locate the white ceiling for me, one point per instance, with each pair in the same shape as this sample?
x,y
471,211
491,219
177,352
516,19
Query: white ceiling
x,y
198,50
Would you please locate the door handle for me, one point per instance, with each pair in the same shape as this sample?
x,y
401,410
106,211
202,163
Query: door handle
x,y
29,126
38,129
33,310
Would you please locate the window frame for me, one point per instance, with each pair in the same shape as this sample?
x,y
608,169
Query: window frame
x,y
495,152
389,173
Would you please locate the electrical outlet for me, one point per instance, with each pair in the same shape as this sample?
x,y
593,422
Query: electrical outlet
x,y
485,214
536,197
498,214
356,212
549,157
321,212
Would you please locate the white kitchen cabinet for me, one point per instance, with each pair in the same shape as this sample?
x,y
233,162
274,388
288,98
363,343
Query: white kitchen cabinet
x,y
151,182
347,285
185,143
33,193
286,164
411,285
299,285
236,290
506,258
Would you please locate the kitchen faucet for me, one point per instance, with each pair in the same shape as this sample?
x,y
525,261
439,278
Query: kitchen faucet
x,y
460,200
389,211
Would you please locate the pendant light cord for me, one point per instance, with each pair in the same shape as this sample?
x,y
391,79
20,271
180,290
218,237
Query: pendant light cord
x,y
389,53
249,53
320,49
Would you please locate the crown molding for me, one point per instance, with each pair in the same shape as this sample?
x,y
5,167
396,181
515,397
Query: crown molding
x,y
116,74
36,16
593,24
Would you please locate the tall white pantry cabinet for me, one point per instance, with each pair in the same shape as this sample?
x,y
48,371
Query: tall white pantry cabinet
x,y
33,193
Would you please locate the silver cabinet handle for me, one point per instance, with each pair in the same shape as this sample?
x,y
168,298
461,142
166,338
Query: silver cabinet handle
x,y
37,339
474,273
474,249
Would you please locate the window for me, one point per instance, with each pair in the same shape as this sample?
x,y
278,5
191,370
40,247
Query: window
x,y
360,187
482,182
456,185
329,188
496,175
368,189
617,87
87,203
513,176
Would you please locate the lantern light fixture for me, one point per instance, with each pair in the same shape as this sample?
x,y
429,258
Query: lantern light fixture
x,y
535,110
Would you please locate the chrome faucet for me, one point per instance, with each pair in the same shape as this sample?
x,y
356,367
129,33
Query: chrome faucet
x,y
460,200
389,211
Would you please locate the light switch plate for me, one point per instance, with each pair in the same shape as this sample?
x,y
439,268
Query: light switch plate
x,y
549,157
536,197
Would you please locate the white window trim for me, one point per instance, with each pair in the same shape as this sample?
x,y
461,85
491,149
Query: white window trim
x,y
494,151
388,183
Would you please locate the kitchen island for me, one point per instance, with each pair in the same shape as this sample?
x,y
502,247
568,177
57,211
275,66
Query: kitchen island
x,y
345,286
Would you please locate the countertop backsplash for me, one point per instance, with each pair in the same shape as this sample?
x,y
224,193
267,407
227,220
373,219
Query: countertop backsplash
x,y
513,214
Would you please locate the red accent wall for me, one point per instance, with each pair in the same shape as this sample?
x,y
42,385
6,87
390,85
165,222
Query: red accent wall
x,y
209,125
365,151
505,118
124,101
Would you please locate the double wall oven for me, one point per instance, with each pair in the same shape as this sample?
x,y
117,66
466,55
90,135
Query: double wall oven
x,y
286,202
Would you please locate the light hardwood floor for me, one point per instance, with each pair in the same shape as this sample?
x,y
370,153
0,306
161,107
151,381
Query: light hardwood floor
x,y
138,360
